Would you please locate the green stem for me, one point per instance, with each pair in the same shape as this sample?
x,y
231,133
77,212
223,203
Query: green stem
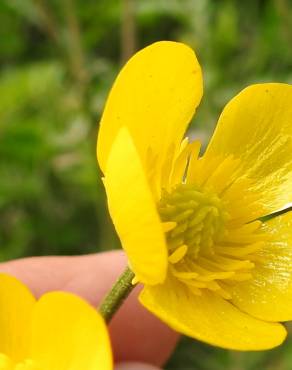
x,y
118,293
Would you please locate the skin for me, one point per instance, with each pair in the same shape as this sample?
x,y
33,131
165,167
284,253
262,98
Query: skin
x,y
147,340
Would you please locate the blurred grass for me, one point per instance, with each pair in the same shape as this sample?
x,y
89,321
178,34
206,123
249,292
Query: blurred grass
x,y
58,60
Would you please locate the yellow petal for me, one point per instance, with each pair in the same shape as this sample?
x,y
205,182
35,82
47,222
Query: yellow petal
x,y
154,96
268,295
16,305
210,318
256,128
134,213
69,334
6,362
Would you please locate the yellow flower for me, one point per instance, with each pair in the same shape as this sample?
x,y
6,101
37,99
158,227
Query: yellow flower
x,y
189,224
59,331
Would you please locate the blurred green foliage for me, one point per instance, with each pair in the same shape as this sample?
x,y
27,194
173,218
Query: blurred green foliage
x,y
58,59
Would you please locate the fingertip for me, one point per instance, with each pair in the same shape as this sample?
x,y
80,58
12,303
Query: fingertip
x,y
148,340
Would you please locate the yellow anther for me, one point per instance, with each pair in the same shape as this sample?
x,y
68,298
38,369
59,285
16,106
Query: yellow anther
x,y
185,275
216,276
240,251
224,294
241,276
195,291
178,254
168,226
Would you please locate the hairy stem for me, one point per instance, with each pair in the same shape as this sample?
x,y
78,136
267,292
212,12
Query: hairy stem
x,y
117,295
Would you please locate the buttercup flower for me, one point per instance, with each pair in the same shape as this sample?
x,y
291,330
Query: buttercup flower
x,y
60,331
190,224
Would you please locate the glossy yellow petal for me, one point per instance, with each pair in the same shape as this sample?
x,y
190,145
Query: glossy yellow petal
x,y
133,211
256,129
154,96
16,305
69,334
268,295
210,318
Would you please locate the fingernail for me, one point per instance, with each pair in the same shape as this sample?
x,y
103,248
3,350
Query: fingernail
x,y
135,366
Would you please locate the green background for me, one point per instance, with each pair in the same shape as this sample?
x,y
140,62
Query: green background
x,y
58,59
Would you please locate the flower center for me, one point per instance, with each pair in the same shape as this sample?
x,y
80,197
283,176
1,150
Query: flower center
x,y
199,219
205,250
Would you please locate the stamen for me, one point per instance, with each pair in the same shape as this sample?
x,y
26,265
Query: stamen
x,y
225,170
180,168
224,294
241,276
179,230
208,248
195,290
244,238
168,226
196,284
178,254
227,264
249,228
242,251
185,275
212,285
183,216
